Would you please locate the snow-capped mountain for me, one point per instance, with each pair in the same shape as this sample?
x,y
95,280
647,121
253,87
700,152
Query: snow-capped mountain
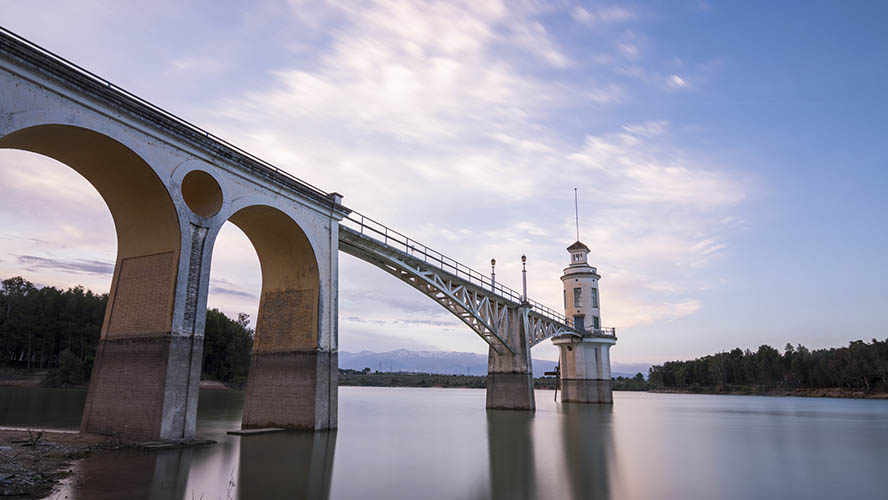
x,y
446,362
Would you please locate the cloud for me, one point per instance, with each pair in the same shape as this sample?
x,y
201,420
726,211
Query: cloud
x,y
418,116
646,171
609,14
198,65
31,263
229,291
533,38
676,82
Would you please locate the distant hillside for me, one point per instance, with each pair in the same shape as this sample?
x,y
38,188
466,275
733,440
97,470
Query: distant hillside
x,y
443,362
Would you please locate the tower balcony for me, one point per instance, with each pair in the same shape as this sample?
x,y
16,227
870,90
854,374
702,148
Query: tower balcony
x,y
608,332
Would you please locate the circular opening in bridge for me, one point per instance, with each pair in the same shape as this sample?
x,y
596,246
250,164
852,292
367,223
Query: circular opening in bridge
x,y
202,193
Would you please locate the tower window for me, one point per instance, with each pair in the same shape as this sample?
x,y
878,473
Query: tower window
x,y
565,299
594,297
595,324
578,297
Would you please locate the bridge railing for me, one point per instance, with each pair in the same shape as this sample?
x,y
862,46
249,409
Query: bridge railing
x,y
160,111
399,241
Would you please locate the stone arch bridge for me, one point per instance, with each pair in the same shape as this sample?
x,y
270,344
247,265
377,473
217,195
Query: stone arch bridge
x,y
170,187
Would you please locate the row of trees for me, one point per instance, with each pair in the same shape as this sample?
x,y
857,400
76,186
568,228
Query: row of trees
x,y
860,366
58,330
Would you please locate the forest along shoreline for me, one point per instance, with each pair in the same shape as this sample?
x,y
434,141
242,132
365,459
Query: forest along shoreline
x,y
366,378
49,337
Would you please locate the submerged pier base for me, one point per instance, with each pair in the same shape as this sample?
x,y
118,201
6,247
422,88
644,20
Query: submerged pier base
x,y
585,369
292,390
510,374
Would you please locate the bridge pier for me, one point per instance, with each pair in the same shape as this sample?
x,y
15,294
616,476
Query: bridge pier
x,y
510,374
292,390
146,373
585,369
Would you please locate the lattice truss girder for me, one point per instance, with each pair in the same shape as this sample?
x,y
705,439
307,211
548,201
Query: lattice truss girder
x,y
540,328
486,313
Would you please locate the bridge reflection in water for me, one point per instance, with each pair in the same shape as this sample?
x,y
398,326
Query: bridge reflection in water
x,y
146,475
400,443
300,464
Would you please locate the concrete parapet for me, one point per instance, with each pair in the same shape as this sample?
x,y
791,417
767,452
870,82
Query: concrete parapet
x,y
292,390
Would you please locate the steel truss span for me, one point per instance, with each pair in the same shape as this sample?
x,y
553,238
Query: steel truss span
x,y
470,296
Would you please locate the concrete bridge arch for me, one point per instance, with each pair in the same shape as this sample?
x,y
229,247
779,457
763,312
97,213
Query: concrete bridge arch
x,y
168,198
293,372
139,316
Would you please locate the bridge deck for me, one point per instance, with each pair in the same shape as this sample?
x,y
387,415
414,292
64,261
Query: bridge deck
x,y
384,247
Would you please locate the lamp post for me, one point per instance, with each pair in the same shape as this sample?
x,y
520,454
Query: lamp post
x,y
524,275
493,275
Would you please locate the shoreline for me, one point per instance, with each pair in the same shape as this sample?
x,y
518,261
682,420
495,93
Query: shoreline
x,y
33,463
396,379
798,393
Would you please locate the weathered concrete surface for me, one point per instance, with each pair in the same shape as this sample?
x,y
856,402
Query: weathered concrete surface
x,y
510,391
126,389
586,391
585,369
292,390
510,375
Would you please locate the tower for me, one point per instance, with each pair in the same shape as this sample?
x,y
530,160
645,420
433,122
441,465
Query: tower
x,y
581,290
585,355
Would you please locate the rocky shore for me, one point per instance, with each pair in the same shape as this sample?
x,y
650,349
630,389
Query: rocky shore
x,y
32,463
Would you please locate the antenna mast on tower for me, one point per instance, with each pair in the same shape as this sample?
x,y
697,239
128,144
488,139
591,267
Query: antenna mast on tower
x,y
577,213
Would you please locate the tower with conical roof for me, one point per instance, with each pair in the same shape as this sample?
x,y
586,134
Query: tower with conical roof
x,y
585,355
581,290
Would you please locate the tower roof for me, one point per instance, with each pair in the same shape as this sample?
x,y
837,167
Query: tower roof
x,y
577,246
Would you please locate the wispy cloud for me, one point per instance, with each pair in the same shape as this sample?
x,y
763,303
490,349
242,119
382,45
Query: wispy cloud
x,y
31,262
608,14
230,291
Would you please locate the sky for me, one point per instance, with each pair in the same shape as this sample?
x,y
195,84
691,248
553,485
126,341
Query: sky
x,y
730,157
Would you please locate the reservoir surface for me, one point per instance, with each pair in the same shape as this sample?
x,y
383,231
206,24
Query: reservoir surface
x,y
428,443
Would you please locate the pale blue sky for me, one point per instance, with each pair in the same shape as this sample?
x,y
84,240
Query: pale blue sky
x,y
730,156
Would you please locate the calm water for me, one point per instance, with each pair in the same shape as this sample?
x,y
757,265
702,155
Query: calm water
x,y
443,444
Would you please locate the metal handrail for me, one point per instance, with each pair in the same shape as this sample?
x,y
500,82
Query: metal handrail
x,y
166,114
401,242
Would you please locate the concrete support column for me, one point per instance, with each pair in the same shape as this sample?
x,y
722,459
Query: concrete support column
x,y
510,375
292,390
294,366
585,369
146,372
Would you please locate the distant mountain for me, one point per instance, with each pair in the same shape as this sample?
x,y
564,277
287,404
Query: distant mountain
x,y
445,362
